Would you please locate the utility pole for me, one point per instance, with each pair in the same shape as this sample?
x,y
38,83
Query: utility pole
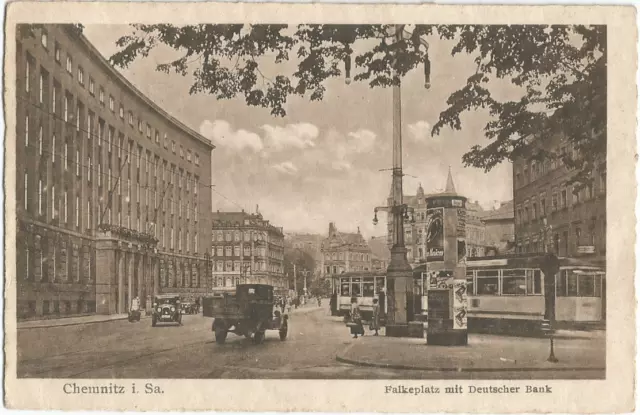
x,y
295,280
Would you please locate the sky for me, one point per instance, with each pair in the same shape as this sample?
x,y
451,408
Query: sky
x,y
322,162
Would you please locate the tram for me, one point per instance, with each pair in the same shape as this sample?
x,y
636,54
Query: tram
x,y
507,294
365,286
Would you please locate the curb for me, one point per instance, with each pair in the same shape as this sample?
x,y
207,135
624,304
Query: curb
x,y
47,326
463,369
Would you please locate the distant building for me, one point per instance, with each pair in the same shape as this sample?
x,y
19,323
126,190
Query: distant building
x,y
477,244
577,219
309,243
246,249
499,228
344,252
380,253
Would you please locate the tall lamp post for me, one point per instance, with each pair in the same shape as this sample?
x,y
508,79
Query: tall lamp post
x,y
550,269
399,271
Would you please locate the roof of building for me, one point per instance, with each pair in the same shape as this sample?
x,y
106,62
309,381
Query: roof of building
x,y
237,219
504,212
343,238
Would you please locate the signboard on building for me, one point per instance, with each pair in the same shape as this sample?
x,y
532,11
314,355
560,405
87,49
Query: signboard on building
x,y
586,249
435,234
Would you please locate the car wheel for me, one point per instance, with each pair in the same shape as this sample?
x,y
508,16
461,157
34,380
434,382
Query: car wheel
x,y
221,336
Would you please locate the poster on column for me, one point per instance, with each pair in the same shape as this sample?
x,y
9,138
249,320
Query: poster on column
x,y
459,304
435,234
440,279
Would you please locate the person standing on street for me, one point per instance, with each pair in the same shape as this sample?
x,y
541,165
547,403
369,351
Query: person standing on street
x,y
375,319
356,319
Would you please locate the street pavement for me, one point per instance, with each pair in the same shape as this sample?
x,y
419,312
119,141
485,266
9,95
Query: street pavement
x,y
119,349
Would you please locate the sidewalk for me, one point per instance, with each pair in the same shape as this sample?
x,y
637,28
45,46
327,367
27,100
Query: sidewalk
x,y
71,321
488,353
74,321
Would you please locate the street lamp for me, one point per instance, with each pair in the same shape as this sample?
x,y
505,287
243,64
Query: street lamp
x,y
550,266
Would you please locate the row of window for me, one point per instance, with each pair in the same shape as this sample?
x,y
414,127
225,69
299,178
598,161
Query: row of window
x,y
221,282
336,269
55,307
107,135
361,287
562,241
101,97
239,236
532,170
186,276
244,268
535,208
227,251
352,256
49,260
61,204
504,282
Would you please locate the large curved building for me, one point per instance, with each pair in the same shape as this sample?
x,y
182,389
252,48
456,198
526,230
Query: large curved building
x,y
113,195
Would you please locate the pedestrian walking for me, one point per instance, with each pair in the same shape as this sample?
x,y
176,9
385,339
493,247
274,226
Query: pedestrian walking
x,y
375,318
356,319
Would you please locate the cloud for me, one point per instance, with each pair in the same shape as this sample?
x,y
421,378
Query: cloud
x,y
420,131
223,135
286,167
361,141
300,136
341,165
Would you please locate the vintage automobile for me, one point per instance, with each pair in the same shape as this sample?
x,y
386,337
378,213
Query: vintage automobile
x,y
249,312
166,309
188,308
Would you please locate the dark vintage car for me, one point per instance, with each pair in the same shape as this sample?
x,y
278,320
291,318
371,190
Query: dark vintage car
x,y
166,309
249,312
188,308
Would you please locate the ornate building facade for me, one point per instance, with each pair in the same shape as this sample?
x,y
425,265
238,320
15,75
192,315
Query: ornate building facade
x,y
107,207
246,249
344,252
477,244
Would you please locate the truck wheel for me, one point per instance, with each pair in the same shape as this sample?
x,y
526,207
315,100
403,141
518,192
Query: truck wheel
x,y
221,335
258,337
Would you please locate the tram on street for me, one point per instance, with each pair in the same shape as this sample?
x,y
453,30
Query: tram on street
x,y
365,286
507,294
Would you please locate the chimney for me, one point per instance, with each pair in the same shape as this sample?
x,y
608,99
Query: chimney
x,y
332,229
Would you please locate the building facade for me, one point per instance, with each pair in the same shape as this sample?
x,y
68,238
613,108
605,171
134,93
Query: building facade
x,y
499,227
246,249
107,207
308,243
576,218
416,232
380,253
344,252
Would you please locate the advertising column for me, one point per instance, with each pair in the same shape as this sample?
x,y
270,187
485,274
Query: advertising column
x,y
445,284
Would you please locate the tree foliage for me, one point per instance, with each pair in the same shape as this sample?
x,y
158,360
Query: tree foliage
x,y
561,71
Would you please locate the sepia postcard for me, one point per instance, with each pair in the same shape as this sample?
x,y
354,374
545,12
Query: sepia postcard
x,y
320,208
